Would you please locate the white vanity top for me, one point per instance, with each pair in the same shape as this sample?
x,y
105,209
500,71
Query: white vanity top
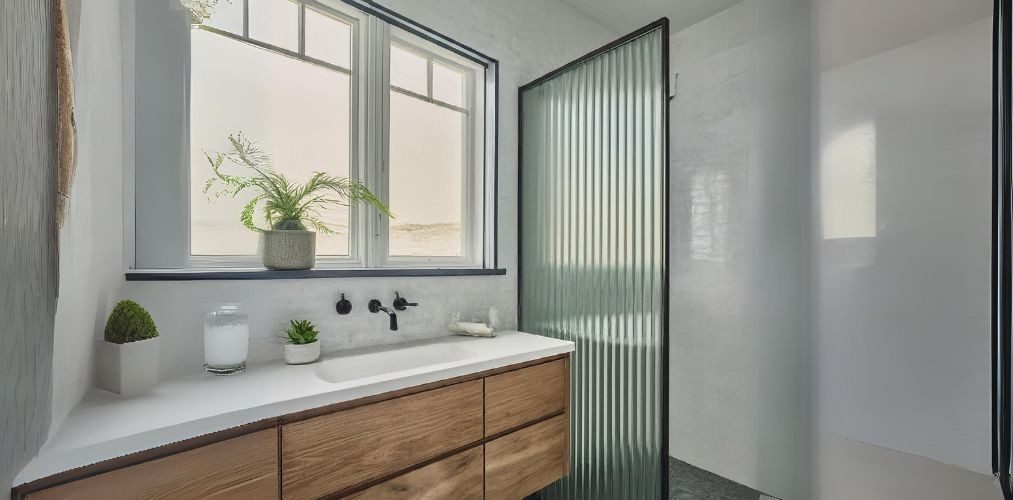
x,y
106,425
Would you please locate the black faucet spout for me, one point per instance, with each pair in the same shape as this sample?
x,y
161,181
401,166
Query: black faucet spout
x,y
375,306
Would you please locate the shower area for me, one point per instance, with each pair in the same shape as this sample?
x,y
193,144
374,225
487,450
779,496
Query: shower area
x,y
664,228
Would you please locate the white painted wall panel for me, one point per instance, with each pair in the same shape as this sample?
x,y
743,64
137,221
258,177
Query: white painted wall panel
x,y
91,258
903,311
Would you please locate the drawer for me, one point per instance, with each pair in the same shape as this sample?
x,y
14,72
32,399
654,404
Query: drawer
x,y
245,467
331,453
458,477
515,398
525,461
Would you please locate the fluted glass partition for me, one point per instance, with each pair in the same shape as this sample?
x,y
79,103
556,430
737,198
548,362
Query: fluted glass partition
x,y
593,255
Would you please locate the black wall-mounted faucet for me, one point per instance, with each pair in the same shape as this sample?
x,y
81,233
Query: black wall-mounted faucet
x,y
375,306
401,303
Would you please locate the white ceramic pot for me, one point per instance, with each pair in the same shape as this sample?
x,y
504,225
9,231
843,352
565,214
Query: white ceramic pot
x,y
128,369
300,354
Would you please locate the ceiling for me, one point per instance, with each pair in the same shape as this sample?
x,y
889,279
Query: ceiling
x,y
851,30
624,16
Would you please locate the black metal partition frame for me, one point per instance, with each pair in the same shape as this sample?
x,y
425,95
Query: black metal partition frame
x,y
1001,247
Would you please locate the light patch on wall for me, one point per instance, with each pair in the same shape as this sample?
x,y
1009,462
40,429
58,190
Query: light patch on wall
x,y
709,198
848,184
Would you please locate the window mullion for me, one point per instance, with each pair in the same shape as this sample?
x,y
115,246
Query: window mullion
x,y
382,131
429,78
302,29
376,230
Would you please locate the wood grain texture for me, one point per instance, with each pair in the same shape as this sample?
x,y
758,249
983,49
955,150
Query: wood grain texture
x,y
515,398
324,410
241,468
567,414
28,264
525,461
459,477
332,453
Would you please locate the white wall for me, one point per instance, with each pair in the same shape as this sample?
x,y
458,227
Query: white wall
x,y
849,470
903,257
740,246
528,38
712,346
91,240
28,273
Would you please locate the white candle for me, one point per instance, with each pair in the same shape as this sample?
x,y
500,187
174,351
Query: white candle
x,y
226,340
226,346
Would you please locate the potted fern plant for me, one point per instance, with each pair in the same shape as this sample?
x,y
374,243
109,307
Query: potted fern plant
x,y
288,207
302,346
128,356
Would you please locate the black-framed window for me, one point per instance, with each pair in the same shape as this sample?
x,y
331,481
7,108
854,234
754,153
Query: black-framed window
x,y
320,83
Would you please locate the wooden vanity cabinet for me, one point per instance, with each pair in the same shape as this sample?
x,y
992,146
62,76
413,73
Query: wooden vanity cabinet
x,y
519,397
245,467
527,460
332,453
457,477
502,434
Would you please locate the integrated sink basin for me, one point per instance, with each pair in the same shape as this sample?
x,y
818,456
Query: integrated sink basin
x,y
392,360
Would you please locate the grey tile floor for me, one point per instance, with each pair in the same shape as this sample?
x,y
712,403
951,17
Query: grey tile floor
x,y
687,482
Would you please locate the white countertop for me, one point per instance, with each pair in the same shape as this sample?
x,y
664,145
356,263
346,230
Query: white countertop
x,y
106,425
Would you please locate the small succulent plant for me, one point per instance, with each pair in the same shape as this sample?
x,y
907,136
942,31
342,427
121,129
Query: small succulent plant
x,y
129,322
302,332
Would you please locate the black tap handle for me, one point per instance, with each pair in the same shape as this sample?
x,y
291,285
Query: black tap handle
x,y
343,306
401,303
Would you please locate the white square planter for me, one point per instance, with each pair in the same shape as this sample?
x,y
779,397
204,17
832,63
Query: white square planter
x,y
128,369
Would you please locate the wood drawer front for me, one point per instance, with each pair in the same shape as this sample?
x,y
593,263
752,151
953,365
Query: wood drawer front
x,y
525,461
458,477
245,467
515,398
328,454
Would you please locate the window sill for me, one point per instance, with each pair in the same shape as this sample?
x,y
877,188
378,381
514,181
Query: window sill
x,y
265,274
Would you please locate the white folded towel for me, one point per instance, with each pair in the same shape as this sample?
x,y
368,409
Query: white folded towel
x,y
472,329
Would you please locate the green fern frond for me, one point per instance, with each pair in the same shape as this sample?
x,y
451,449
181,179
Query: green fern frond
x,y
285,203
247,214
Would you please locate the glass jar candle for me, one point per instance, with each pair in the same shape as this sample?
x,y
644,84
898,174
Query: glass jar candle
x,y
226,339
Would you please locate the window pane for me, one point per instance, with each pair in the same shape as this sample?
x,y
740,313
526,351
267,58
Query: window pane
x,y
328,39
426,154
298,112
228,16
448,85
275,22
408,71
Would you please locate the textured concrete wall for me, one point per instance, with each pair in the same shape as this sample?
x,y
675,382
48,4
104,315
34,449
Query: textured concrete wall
x,y
27,259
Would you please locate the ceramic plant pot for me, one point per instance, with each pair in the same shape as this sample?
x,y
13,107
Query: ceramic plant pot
x,y
288,249
128,369
300,354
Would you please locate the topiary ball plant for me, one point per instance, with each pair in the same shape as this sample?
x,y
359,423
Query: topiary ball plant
x,y
129,322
